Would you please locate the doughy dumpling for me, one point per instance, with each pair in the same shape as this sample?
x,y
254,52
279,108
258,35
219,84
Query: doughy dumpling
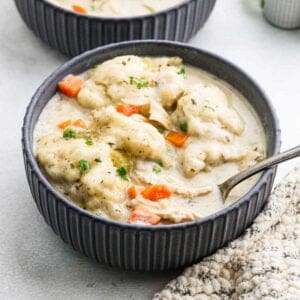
x,y
105,189
92,95
137,137
156,64
102,187
208,130
208,114
130,94
197,156
193,160
60,157
170,85
119,70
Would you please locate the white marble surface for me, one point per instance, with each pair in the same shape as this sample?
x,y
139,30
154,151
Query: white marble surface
x,y
34,263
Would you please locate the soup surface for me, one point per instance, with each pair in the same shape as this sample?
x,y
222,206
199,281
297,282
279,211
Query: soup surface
x,y
147,140
116,8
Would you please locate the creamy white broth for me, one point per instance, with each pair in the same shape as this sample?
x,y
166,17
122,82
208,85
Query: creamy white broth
x,y
118,8
176,208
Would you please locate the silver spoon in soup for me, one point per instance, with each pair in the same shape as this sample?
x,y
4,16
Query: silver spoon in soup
x,y
231,182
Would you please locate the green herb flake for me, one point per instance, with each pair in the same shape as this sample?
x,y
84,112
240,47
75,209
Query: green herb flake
x,y
160,129
160,163
89,142
83,166
209,108
69,133
262,3
98,160
169,148
138,83
122,172
156,169
183,125
93,7
182,72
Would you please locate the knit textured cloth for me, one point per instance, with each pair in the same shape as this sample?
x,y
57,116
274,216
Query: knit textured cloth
x,y
263,263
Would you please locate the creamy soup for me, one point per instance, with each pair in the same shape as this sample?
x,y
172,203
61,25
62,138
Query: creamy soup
x,y
147,140
116,8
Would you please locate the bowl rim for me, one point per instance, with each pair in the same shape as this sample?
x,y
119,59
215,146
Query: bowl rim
x,y
30,157
125,18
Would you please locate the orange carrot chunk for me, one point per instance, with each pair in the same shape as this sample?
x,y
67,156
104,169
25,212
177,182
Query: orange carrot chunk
x,y
139,215
127,109
70,86
131,192
156,192
176,138
65,124
79,9
80,123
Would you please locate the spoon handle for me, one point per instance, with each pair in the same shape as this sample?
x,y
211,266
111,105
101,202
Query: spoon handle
x,y
231,182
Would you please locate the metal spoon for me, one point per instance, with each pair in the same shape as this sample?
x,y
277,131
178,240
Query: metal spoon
x,y
231,182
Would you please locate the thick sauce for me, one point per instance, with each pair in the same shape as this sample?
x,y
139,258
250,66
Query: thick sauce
x,y
187,132
116,8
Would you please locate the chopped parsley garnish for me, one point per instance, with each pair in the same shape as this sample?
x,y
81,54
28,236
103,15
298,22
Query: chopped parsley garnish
x,y
83,166
93,8
160,163
262,3
169,149
209,107
183,125
138,83
160,129
89,142
122,172
98,160
182,72
69,133
156,169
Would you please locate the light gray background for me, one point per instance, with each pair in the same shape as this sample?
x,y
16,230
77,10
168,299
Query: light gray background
x,y
34,263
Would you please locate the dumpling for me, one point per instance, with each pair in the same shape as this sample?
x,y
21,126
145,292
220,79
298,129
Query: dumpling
x,y
119,70
170,85
60,157
208,114
105,190
92,95
139,138
197,156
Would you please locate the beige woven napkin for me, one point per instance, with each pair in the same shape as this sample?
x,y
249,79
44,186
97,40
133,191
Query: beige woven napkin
x,y
264,263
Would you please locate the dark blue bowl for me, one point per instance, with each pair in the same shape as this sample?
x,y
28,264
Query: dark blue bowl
x,y
73,33
137,247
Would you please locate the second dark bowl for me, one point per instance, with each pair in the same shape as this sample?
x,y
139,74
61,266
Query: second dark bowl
x,y
72,33
137,247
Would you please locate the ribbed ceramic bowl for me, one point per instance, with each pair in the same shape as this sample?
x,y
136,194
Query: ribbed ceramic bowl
x,y
73,33
137,247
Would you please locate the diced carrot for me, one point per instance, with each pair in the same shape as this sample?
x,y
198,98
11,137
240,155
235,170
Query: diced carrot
x,y
70,85
139,215
176,138
131,192
80,123
79,9
127,109
156,192
65,124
